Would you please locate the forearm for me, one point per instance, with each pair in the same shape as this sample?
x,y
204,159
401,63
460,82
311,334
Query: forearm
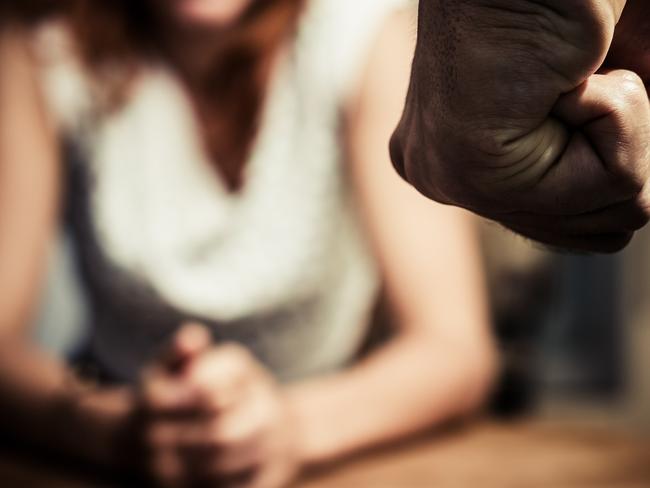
x,y
29,183
39,401
43,404
411,383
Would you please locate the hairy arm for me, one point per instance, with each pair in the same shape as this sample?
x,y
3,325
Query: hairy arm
x,y
441,362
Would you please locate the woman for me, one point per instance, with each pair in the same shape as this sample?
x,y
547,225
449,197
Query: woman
x,y
226,163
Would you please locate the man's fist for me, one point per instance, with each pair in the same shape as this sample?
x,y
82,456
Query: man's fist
x,y
512,115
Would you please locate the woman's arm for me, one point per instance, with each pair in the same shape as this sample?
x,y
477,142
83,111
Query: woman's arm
x,y
441,363
39,401
29,183
439,366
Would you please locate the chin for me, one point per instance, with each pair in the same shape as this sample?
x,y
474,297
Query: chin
x,y
208,13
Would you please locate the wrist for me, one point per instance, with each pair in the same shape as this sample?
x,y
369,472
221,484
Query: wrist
x,y
101,422
315,434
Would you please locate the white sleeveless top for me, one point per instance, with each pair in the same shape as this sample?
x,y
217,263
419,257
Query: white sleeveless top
x,y
281,266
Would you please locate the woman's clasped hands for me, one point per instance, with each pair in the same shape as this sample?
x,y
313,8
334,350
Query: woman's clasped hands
x,y
214,416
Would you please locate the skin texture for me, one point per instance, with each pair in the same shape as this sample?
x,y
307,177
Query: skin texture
x,y
211,412
513,114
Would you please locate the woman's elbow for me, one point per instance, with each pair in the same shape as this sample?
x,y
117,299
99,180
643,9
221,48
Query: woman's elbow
x,y
481,372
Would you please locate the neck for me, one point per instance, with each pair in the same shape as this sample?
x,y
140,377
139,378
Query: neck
x,y
191,51
192,54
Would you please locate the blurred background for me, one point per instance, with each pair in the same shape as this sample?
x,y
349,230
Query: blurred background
x,y
304,183
574,331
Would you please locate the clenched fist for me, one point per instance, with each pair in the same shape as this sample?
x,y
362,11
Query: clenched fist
x,y
533,113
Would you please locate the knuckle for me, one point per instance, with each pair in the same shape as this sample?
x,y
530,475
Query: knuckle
x,y
157,437
640,216
630,178
632,85
230,434
232,437
222,435
630,92
215,434
643,201
164,473
235,353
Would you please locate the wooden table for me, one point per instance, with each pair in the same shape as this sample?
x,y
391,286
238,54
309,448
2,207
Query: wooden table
x,y
529,454
522,455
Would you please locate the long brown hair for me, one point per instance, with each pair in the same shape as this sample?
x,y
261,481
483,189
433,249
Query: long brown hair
x,y
124,32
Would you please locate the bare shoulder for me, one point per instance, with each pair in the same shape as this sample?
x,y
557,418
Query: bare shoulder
x,y
14,42
52,43
17,60
36,47
48,60
23,108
